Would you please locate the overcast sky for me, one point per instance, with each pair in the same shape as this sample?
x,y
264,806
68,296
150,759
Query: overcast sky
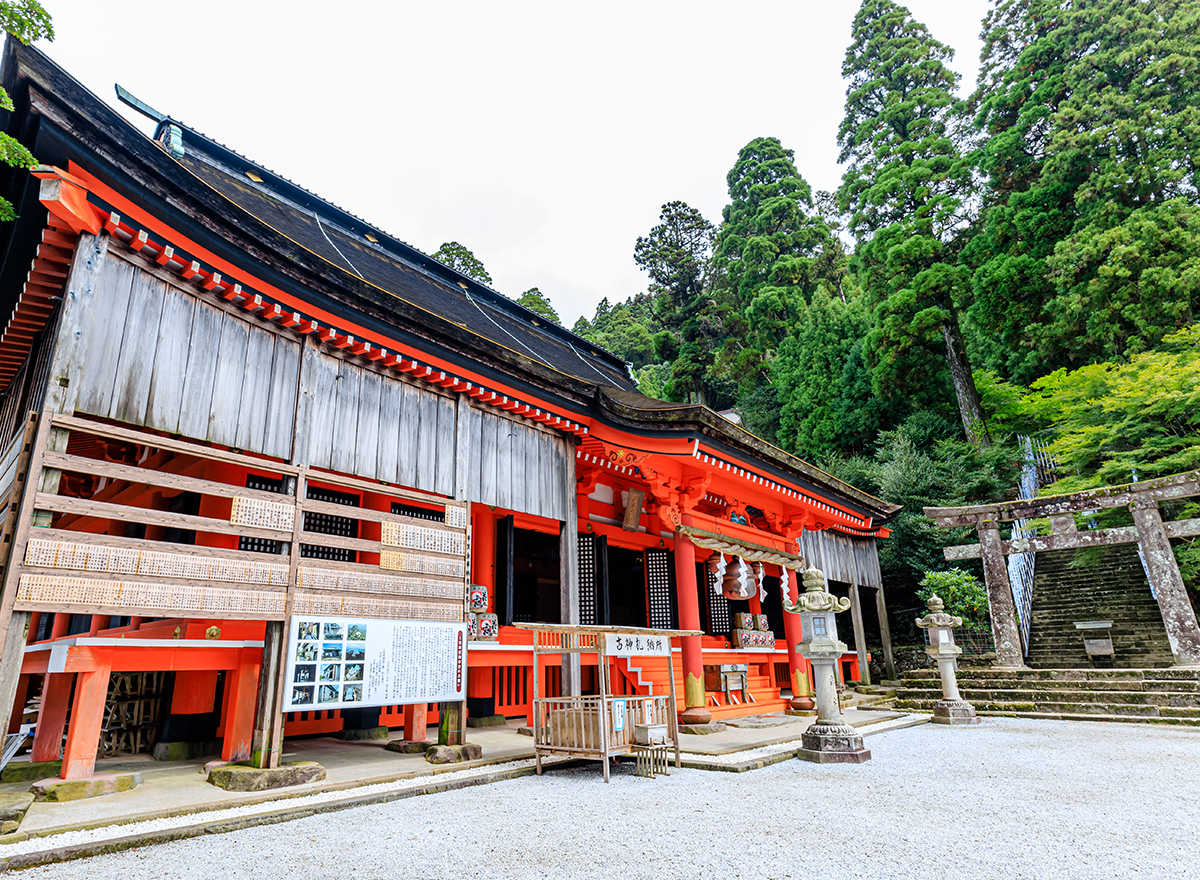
x,y
543,136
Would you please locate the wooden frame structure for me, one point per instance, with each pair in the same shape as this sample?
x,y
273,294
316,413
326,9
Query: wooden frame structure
x,y
584,726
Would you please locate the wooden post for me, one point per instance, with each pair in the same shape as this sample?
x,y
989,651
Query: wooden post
x,y
860,633
242,685
885,633
452,723
568,575
1178,617
267,748
1000,599
416,722
87,717
689,618
22,697
52,716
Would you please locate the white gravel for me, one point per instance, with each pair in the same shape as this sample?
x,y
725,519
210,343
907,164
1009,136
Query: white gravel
x,y
1008,798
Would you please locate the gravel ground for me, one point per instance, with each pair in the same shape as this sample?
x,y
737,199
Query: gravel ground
x,y
1008,798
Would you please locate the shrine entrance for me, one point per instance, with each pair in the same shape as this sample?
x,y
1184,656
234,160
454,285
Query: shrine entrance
x,y
626,587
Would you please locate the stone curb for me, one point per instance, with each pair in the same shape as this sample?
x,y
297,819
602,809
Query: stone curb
x,y
222,826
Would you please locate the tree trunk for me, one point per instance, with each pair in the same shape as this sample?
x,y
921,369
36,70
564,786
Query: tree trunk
x,y
969,407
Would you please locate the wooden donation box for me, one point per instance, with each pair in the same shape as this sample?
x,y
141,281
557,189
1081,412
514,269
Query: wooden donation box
x,y
725,678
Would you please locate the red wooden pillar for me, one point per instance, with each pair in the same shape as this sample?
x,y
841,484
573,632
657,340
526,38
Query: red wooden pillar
x,y
483,560
52,717
689,618
242,685
35,621
415,719
793,633
58,629
195,692
18,712
87,716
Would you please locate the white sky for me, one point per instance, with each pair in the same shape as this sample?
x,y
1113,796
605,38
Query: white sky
x,y
545,136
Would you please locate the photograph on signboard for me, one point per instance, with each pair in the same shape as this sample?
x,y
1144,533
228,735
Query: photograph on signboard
x,y
328,693
306,651
309,630
302,696
357,632
352,693
331,650
354,672
356,651
305,672
334,631
331,671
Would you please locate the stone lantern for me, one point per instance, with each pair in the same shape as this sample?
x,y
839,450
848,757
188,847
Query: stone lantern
x,y
829,739
952,709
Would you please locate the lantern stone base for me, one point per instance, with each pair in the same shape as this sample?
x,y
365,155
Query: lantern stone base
x,y
954,712
832,744
702,729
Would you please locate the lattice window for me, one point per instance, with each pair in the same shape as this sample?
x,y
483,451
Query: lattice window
x,y
719,622
658,577
418,512
262,545
328,524
587,580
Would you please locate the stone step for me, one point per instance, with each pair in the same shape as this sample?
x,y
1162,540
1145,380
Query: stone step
x,y
1069,711
1098,685
1067,673
1064,697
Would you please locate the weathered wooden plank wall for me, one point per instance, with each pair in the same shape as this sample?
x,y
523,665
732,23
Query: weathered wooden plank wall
x,y
161,357
842,557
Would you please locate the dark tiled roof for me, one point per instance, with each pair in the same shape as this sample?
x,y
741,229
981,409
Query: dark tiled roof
x,y
398,269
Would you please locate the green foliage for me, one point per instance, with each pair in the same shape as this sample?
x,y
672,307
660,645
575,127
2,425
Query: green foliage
x,y
1088,247
904,188
26,20
460,259
538,303
923,463
962,593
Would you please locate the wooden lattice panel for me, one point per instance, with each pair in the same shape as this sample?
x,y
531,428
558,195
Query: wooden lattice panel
x,y
587,580
277,515
412,537
81,556
331,605
397,560
314,578
658,579
456,517
37,589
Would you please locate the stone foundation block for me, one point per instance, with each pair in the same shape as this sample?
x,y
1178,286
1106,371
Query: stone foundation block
x,y
78,789
366,734
12,810
409,747
954,712
243,777
525,731
487,721
454,754
185,751
832,743
702,729
28,771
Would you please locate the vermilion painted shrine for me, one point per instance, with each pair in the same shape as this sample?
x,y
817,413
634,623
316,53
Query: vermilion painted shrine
x,y
227,402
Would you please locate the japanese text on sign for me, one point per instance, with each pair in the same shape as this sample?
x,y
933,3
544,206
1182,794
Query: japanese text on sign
x,y
623,645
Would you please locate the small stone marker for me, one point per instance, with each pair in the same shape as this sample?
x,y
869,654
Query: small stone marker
x,y
78,789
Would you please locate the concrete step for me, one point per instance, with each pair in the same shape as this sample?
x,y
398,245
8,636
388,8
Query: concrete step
x,y
1080,698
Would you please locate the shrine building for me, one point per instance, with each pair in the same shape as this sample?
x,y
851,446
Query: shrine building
x,y
225,402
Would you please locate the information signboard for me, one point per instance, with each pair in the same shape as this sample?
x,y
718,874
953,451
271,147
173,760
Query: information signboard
x,y
349,662
622,645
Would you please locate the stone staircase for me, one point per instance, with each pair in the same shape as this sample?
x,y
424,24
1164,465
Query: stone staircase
x,y
1113,589
1161,696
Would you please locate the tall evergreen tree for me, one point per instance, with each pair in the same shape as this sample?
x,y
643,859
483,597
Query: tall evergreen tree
x,y
538,303
767,251
460,258
1089,248
904,189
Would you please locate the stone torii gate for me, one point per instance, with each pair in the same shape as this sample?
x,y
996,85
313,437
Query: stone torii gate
x,y
1148,529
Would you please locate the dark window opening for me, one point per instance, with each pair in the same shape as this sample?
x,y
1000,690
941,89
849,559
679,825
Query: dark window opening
x,y
187,503
536,577
418,512
328,524
626,587
262,545
773,606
